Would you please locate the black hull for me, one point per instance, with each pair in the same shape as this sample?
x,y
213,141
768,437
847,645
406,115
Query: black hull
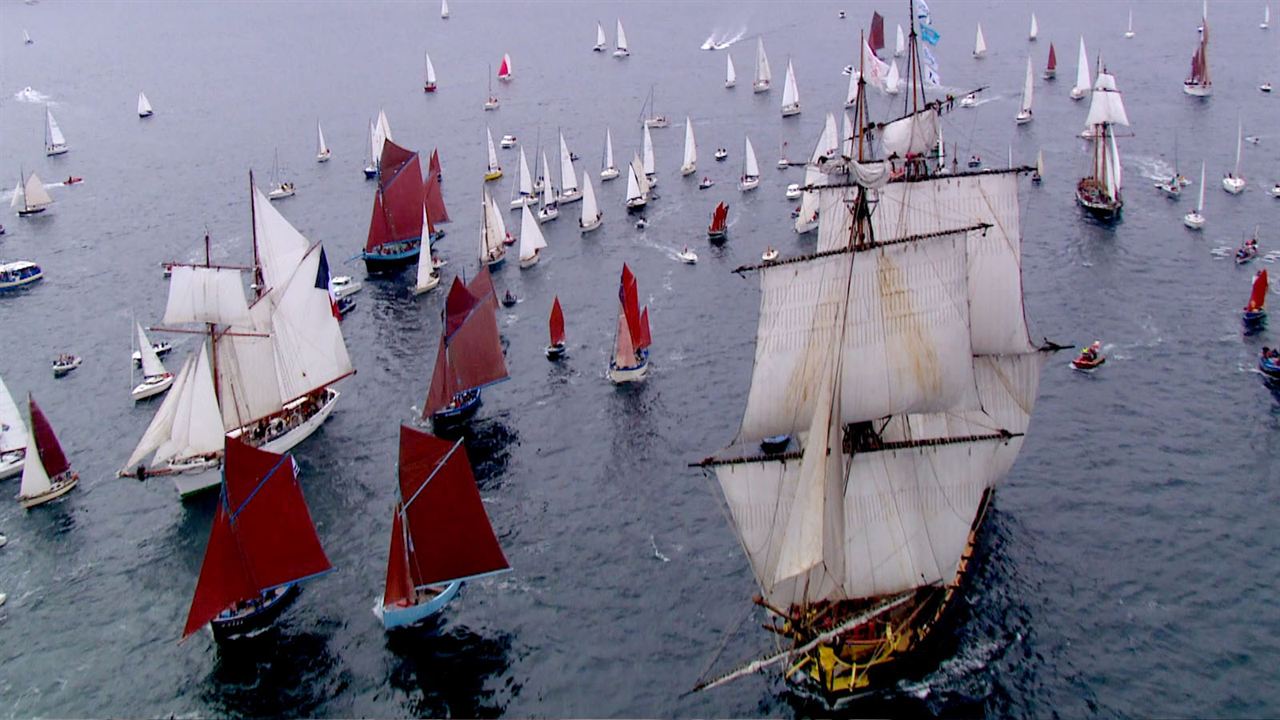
x,y
250,623
389,264
1104,212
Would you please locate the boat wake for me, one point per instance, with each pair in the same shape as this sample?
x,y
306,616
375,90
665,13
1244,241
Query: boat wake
x,y
1153,168
959,675
656,553
31,95
718,41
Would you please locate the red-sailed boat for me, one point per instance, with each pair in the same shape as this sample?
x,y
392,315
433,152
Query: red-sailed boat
x,y
263,543
440,533
630,361
555,350
1255,313
46,473
719,222
395,228
469,355
1051,70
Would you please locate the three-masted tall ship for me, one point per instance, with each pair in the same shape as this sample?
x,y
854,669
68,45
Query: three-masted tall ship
x,y
1099,192
894,379
265,370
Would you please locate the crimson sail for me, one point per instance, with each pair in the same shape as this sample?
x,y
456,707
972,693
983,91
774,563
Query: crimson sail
x,y
469,355
395,227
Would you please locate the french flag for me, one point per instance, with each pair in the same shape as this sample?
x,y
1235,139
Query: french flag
x,y
323,282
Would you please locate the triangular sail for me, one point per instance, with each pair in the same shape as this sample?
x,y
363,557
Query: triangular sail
x,y
690,145
900,44
34,193
322,148
35,480
589,207
601,40
52,459
893,79
397,203
763,74
548,188
730,75
1035,28
1200,200
790,93
980,43
633,182
144,105
1028,87
13,431
526,180
431,70
493,153
750,167
1053,59
608,148
504,70
1083,83
556,323
1258,295
53,133
469,354
151,365
622,36
650,165
531,238
568,177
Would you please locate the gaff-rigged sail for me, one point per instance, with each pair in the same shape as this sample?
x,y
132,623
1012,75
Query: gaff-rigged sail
x,y
397,205
469,355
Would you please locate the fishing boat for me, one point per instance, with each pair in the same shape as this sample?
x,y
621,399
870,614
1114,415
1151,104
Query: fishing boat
x,y
494,170
1083,83
144,106
506,70
395,226
18,273
1099,192
1255,312
550,207
440,533
621,50
54,142
591,213
763,75
30,197
750,179
652,119
493,233
1198,83
1024,115
858,482
602,43
1234,182
1195,218
1051,70
155,378
555,349
690,165
65,363
730,75
980,44
1035,29
491,102
1090,358
569,190
719,222
609,171
262,544
1128,33
46,474
279,188
322,149
687,256
264,373
469,354
427,278
13,435
637,186
790,93
630,360
531,240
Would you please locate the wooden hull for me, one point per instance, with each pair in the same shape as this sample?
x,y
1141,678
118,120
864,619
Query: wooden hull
x,y
396,616
62,485
467,405
391,262
231,626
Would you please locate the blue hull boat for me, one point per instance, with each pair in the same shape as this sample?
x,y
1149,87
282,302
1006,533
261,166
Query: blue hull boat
x,y
395,616
463,407
392,261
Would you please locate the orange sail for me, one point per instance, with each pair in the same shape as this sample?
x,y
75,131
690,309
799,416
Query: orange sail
x,y
557,323
1258,298
719,220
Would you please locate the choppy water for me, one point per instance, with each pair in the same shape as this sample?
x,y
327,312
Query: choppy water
x,y
1132,560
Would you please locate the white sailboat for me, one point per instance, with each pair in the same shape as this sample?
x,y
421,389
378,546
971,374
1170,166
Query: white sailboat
x,y
531,240
525,195
155,379
279,188
621,50
430,84
444,9
1035,29
637,185
30,197
1234,181
750,179
569,191
379,133
730,75
1266,17
550,209
650,114
13,435
493,233
591,213
1024,115
790,93
690,164
828,146
980,44
763,75
426,278
322,148
893,80
493,171
900,43
144,106
851,98
54,142
650,163
26,38
1129,32
1195,218
1083,81
601,41
609,171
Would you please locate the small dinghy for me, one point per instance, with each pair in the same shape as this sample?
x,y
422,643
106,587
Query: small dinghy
x,y
1269,365
65,363
969,100
642,224
508,299
793,191
769,255
508,141
721,154
1247,252
1090,358
687,256
706,183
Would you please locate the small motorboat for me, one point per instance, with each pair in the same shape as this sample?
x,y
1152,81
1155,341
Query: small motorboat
x,y
1090,358
1275,190
769,255
657,122
65,363
491,103
508,141
721,154
18,273
969,100
508,299
783,163
346,305
72,180
975,161
642,224
706,183
840,14
1247,252
1253,139
1269,364
687,256
344,285
1265,87
161,349
793,191
1171,187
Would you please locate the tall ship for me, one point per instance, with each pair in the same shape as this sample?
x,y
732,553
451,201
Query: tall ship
x,y
1099,192
1198,82
265,369
395,227
893,383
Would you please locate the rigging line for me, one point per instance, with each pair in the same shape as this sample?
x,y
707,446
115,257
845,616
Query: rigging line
x,y
726,635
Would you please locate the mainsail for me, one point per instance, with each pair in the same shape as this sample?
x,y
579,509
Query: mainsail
x,y
469,355
397,205
13,432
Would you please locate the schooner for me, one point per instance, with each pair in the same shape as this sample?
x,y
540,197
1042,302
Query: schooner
x,y
894,380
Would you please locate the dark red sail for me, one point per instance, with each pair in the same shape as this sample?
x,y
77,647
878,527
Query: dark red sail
x,y
397,204
434,199
719,219
481,286
433,165
876,38
644,339
1257,298
399,584
262,536
557,323
628,295
469,355
51,455
1053,59
448,531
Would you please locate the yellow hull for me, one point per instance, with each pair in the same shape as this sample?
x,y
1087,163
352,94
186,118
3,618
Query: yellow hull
x,y
492,175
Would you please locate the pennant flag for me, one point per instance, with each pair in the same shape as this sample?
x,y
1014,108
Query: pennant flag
x,y
928,34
